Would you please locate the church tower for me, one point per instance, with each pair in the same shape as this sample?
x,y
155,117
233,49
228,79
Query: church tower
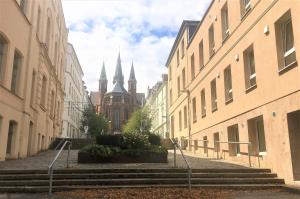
x,y
118,73
132,81
103,81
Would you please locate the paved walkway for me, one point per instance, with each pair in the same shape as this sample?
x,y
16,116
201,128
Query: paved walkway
x,y
42,160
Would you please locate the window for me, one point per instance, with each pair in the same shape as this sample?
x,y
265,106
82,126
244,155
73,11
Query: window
x,y
48,33
3,51
171,97
182,48
116,120
183,78
10,137
211,40
43,92
285,41
32,87
194,110
178,86
38,22
205,144
170,72
203,103
256,135
180,121
23,4
249,65
55,57
216,142
213,91
16,72
172,126
224,19
245,7
201,55
52,104
192,67
185,117
228,85
233,136
177,58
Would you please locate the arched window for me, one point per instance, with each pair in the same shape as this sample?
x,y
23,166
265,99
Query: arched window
x,y
3,52
43,91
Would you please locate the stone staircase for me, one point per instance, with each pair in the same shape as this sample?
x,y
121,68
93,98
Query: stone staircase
x,y
70,179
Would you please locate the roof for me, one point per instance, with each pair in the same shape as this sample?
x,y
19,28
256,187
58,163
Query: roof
x,y
118,88
118,73
186,24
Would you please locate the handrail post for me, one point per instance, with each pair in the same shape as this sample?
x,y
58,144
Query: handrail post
x,y
249,156
68,158
175,165
190,185
50,181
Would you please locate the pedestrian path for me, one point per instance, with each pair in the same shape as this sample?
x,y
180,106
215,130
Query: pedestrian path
x,y
42,160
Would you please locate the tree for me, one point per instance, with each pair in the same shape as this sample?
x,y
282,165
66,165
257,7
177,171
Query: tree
x,y
96,123
139,122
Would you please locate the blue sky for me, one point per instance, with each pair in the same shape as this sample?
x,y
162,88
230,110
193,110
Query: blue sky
x,y
143,30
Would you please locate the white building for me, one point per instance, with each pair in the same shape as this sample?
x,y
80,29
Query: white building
x,y
157,102
74,95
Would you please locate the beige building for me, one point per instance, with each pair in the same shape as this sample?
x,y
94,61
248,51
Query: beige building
x,y
74,95
240,77
157,100
33,38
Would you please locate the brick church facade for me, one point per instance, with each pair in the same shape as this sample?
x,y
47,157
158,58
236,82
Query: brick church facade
x,y
118,104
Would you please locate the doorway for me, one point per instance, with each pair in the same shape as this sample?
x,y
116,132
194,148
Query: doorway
x,y
293,120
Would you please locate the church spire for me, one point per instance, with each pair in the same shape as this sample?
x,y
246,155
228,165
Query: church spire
x,y
132,81
118,73
103,80
103,72
132,75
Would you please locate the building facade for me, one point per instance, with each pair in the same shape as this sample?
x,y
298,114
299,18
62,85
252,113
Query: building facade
x,y
241,84
33,38
74,100
118,104
157,100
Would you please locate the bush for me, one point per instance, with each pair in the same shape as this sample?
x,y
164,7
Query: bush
x,y
110,140
135,141
100,151
154,139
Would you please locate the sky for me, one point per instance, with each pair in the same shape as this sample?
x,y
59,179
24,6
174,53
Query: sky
x,y
142,30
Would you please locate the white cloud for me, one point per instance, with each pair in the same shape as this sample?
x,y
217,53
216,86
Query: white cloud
x,y
99,28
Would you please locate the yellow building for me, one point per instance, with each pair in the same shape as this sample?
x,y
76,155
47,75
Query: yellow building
x,y
33,38
238,79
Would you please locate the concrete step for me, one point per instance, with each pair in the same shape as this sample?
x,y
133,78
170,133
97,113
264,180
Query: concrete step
x,y
136,170
36,189
134,175
137,181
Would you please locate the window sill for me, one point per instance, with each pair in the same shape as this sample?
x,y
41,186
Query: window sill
x,y
251,88
225,38
201,67
228,101
211,54
287,68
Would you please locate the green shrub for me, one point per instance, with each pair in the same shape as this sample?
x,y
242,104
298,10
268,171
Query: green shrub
x,y
158,149
109,140
154,139
135,141
100,151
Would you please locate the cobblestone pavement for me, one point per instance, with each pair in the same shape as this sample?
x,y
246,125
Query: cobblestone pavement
x,y
42,160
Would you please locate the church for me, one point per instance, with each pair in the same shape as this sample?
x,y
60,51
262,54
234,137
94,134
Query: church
x,y
118,104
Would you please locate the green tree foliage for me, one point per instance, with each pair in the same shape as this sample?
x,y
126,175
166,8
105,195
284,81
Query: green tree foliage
x,y
97,124
139,122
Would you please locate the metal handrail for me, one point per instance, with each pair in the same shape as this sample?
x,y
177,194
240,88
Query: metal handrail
x,y
50,167
248,143
59,144
175,144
